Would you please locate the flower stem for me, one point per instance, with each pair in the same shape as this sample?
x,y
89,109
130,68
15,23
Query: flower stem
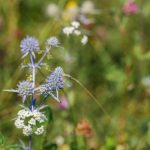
x,y
32,105
30,142
41,59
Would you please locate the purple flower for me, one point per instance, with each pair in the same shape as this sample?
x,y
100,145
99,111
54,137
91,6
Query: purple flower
x,y
24,89
29,45
130,7
63,103
53,83
55,80
53,41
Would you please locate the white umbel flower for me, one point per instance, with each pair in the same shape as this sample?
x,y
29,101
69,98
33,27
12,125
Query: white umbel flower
x,y
27,130
52,10
19,123
88,8
59,140
32,121
77,32
39,131
74,29
22,113
84,40
75,24
68,30
27,120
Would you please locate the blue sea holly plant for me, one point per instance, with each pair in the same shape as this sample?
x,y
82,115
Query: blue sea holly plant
x,y
31,118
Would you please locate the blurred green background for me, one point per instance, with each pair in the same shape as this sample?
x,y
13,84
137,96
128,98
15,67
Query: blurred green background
x,y
114,66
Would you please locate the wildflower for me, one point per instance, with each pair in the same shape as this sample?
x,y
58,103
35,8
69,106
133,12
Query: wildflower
x,y
146,81
64,103
75,24
85,20
59,140
83,128
22,113
27,130
19,123
24,89
130,7
84,40
32,121
77,32
29,45
64,147
53,10
42,89
74,30
53,83
71,10
27,120
88,8
39,131
53,41
55,80
68,30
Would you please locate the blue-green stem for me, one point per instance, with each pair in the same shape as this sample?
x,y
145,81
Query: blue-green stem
x,y
33,98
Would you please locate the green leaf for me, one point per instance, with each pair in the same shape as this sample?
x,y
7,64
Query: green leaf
x,y
48,113
50,147
2,139
12,147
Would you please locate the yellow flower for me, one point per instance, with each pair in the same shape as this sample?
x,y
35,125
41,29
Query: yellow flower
x,y
64,147
71,10
71,3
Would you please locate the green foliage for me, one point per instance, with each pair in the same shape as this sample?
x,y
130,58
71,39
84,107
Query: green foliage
x,y
114,66
50,147
48,113
5,146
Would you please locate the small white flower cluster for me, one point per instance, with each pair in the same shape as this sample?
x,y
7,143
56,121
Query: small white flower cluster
x,y
84,40
74,30
30,121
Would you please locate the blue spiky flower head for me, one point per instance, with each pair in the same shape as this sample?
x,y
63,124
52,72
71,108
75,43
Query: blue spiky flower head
x,y
52,41
24,89
29,45
55,80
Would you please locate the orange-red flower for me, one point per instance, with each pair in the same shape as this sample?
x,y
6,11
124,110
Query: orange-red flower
x,y
84,128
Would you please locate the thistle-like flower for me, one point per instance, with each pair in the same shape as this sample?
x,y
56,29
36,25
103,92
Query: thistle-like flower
x,y
55,80
53,41
53,83
29,45
24,89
